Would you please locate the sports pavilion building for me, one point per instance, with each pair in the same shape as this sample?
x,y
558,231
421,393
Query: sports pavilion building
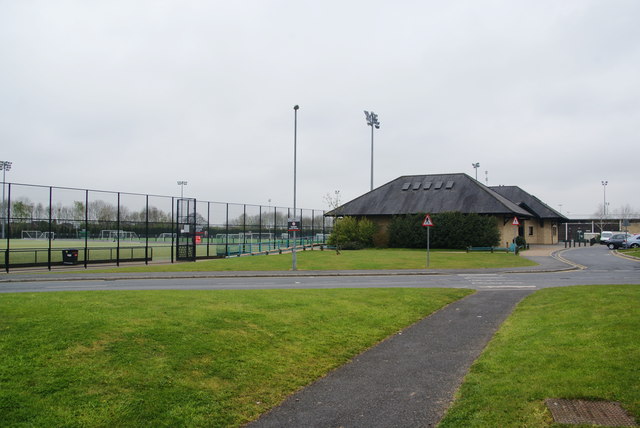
x,y
439,193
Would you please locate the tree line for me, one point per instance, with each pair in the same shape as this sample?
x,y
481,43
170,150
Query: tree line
x,y
22,209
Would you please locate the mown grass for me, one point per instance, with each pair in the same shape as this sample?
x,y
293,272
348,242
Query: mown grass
x,y
370,259
184,358
572,342
635,252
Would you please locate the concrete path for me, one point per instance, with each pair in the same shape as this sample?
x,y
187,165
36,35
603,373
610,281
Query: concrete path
x,y
409,379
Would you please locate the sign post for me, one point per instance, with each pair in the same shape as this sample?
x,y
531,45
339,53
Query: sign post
x,y
516,223
293,226
428,224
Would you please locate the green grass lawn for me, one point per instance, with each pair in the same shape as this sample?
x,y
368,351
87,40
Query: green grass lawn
x,y
347,260
184,358
571,342
24,251
632,252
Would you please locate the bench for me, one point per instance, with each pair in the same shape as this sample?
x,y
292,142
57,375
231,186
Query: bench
x,y
491,249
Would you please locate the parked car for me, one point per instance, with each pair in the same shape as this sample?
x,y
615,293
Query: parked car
x,y
618,240
633,241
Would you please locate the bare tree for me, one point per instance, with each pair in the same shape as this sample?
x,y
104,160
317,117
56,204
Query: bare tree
x,y
334,202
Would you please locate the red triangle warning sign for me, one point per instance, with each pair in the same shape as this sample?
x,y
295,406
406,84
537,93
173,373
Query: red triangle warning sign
x,y
427,221
515,221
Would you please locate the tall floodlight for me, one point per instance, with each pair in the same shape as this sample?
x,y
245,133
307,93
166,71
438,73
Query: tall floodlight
x,y
295,154
604,205
4,166
476,166
182,184
372,121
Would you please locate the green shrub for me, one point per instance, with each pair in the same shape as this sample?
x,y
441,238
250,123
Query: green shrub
x,y
520,241
350,233
450,230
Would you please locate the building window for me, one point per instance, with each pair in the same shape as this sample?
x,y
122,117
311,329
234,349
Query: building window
x,y
530,230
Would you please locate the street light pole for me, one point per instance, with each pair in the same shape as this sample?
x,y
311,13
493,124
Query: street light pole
x,y
295,155
4,166
372,120
476,166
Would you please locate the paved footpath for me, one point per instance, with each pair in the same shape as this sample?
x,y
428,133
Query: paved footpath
x,y
409,379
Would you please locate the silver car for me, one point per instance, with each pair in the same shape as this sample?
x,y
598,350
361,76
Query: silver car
x,y
633,241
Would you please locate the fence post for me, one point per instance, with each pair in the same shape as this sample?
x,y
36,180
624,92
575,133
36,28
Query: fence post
x,y
118,233
146,233
244,229
260,228
226,228
208,226
86,227
50,214
8,221
174,228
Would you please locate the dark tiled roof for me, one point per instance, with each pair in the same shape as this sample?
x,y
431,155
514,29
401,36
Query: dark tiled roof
x,y
435,193
532,204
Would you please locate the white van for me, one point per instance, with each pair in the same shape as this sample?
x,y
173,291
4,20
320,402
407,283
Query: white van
x,y
604,236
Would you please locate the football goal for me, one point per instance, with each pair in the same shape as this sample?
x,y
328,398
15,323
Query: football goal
x,y
36,234
166,236
118,234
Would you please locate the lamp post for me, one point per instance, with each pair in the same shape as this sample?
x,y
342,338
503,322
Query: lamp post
x,y
295,154
4,166
182,184
372,121
476,166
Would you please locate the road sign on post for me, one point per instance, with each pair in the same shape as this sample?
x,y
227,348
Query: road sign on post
x,y
428,224
515,222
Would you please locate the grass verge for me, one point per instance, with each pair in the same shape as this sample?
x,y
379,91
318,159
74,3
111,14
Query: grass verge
x,y
184,358
570,342
635,252
370,259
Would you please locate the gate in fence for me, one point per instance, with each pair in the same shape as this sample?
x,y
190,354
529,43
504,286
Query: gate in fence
x,y
186,229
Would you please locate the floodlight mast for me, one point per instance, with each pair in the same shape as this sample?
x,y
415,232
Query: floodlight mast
x,y
604,204
4,166
476,166
182,184
372,121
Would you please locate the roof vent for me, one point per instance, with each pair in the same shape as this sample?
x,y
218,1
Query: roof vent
x,y
427,185
406,186
449,185
416,186
438,185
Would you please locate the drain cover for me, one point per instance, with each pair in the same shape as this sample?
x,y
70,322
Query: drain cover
x,y
603,413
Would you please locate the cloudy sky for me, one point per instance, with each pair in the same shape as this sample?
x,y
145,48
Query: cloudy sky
x,y
134,95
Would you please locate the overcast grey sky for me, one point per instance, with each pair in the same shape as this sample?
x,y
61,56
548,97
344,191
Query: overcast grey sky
x,y
135,95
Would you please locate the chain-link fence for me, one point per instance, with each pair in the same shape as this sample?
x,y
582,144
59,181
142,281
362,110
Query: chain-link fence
x,y
51,226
